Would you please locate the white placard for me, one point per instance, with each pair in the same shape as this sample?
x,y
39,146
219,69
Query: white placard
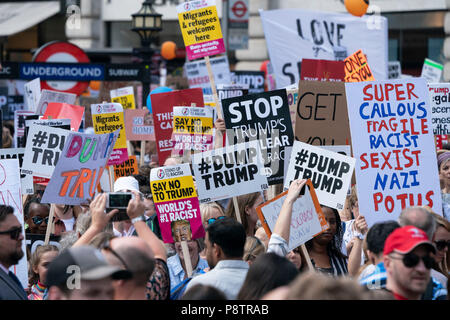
x,y
48,96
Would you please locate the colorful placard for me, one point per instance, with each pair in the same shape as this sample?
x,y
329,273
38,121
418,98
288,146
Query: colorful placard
x,y
139,125
322,70
124,96
176,203
56,110
357,68
48,96
432,71
127,168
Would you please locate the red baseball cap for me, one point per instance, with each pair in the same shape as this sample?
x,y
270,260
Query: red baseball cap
x,y
405,239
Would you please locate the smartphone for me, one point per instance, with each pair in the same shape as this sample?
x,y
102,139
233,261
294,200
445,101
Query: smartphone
x,y
119,200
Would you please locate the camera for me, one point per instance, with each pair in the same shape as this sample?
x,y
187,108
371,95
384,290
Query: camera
x,y
119,200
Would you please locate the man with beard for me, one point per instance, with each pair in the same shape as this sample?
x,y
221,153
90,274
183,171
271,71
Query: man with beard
x,y
10,253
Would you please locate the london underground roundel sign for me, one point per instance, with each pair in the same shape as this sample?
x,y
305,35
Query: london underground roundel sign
x,y
65,52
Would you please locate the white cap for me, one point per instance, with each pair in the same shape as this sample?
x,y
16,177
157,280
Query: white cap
x,y
126,183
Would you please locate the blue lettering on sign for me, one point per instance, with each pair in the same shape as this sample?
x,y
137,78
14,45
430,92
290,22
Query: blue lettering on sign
x,y
62,71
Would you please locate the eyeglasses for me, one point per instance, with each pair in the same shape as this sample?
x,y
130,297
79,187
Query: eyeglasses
x,y
14,233
441,244
38,220
107,247
411,260
211,220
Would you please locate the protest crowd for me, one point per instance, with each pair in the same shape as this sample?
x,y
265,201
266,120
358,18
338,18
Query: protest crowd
x,y
229,195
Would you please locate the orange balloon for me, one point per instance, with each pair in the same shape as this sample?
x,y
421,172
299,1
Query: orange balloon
x,y
357,7
94,85
168,50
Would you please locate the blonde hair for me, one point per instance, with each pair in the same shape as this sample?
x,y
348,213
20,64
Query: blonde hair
x,y
206,209
244,201
36,259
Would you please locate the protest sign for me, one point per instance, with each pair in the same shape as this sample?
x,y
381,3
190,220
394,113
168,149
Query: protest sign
x,y
197,73
57,110
48,96
321,117
176,203
19,126
44,147
32,94
440,140
440,107
107,118
292,95
58,123
432,71
3,98
357,69
307,219
253,79
33,241
228,172
10,195
321,35
200,27
126,168
390,122
124,96
193,128
139,125
13,103
322,70
330,172
394,70
162,107
26,181
225,91
78,172
264,116
344,150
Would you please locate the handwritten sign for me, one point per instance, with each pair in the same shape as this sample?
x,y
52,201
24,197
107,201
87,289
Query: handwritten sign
x,y
357,69
126,168
139,125
440,107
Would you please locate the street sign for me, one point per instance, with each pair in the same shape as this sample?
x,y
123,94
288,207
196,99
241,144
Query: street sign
x,y
238,15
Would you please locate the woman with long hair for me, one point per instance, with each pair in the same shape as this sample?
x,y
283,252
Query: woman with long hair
x,y
247,204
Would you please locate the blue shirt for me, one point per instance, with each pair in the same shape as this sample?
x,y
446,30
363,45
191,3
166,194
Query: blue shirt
x,y
176,271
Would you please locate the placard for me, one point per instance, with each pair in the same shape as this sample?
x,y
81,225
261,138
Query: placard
x,y
322,70
253,79
292,95
440,139
432,71
107,118
193,128
176,203
393,143
225,91
321,117
127,168
200,27
44,148
293,34
48,96
264,117
330,172
26,181
238,16
307,219
139,125
32,94
78,172
357,68
56,110
124,96
395,70
229,172
440,107
162,107
19,127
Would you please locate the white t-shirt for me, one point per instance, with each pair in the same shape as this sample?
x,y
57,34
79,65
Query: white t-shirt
x,y
69,223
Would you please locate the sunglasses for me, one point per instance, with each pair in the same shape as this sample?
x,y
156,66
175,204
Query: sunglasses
x,y
14,233
441,244
411,260
38,220
211,220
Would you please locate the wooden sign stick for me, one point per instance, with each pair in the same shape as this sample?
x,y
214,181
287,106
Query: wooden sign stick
x,y
236,210
219,137
308,259
50,224
111,178
142,156
187,258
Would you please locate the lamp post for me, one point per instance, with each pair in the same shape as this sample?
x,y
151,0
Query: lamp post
x,y
147,23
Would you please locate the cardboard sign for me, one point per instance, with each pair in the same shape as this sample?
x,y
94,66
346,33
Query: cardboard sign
x,y
322,70
440,107
19,127
330,172
321,117
197,73
176,203
44,148
107,118
10,195
393,143
225,91
126,168
26,181
32,94
253,79
432,71
193,128
162,107
229,172
78,172
57,110
139,125
395,70
200,27
265,117
307,219
295,34
48,96
124,96
357,69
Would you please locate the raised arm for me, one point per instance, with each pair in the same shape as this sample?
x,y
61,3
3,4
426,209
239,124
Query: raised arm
x,y
354,259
